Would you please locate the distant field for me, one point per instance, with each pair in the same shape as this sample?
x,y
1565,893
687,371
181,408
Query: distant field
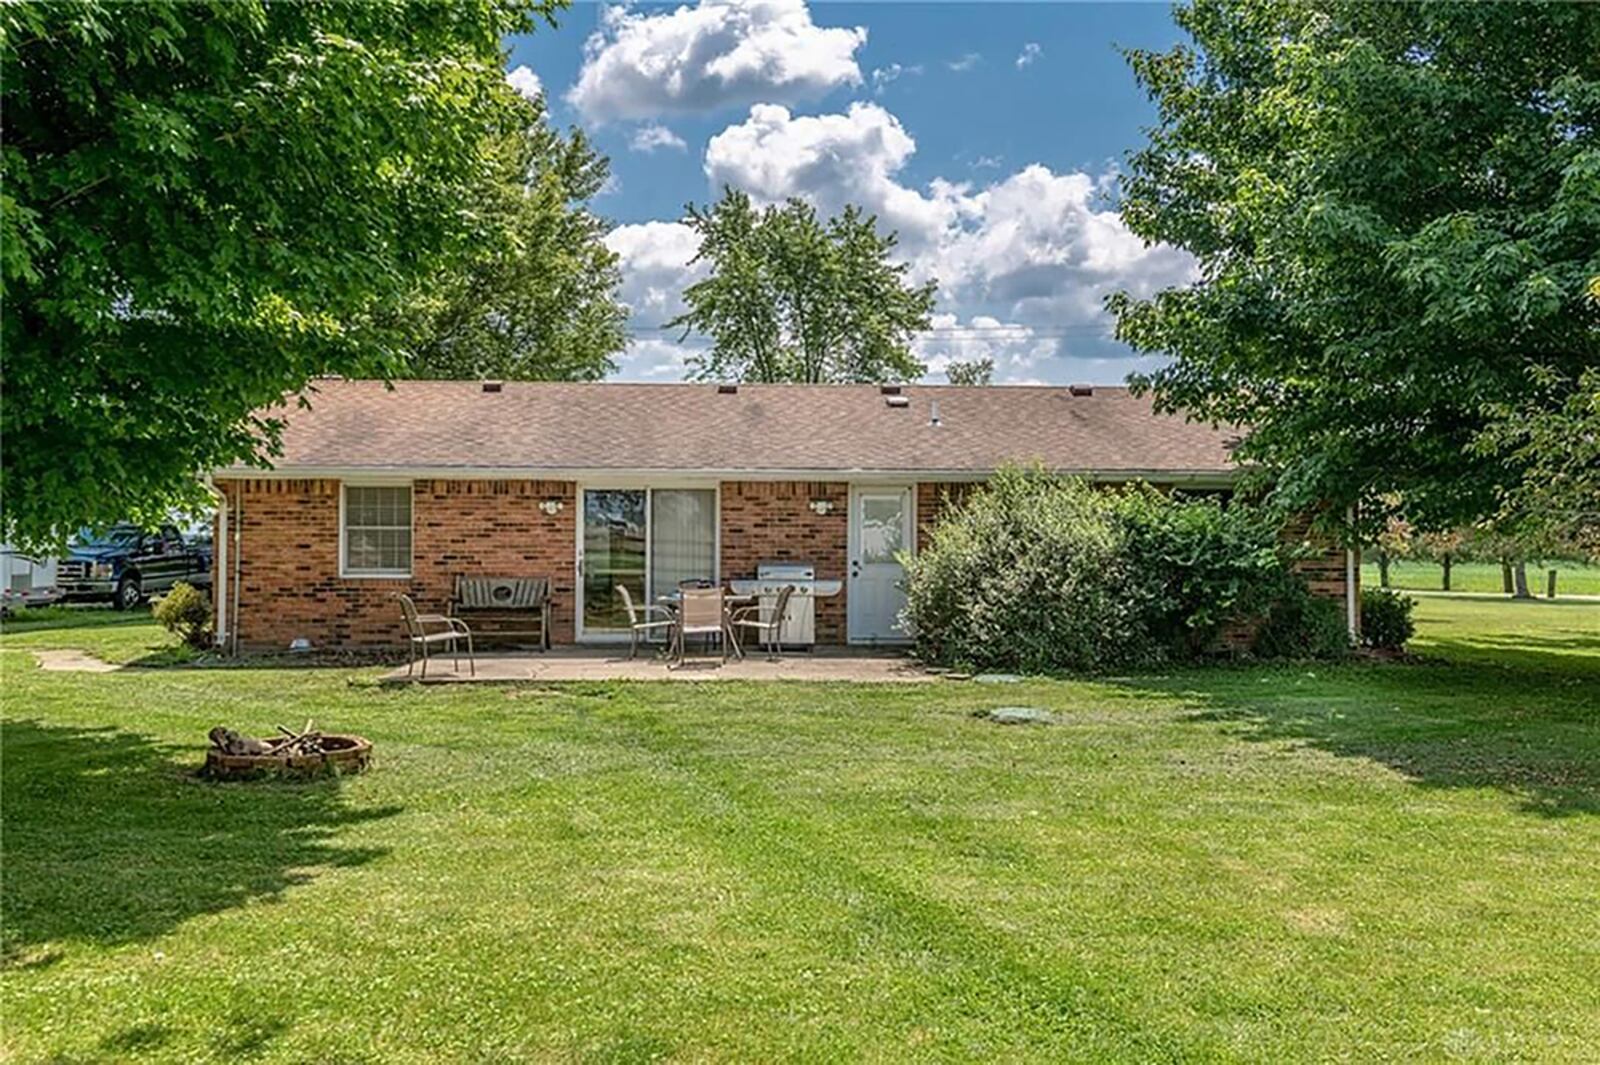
x,y
1571,578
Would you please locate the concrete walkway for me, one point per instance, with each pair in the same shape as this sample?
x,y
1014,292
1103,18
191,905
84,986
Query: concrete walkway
x,y
591,663
69,661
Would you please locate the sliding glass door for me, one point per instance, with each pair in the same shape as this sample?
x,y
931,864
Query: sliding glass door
x,y
614,542
647,540
683,537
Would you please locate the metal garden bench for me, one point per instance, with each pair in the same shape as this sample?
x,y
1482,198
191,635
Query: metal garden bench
x,y
505,606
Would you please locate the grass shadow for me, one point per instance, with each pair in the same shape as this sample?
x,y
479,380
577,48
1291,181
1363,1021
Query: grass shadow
x,y
1532,733
109,840
1571,655
179,656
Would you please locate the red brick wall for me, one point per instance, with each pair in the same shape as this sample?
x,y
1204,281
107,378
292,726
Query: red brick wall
x,y
289,583
773,520
1325,568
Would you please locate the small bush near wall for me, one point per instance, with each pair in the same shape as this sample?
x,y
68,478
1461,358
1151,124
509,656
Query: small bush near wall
x,y
1386,618
1302,625
1038,573
186,612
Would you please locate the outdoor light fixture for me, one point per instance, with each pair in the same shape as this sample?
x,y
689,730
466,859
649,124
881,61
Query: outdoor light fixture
x,y
552,506
822,506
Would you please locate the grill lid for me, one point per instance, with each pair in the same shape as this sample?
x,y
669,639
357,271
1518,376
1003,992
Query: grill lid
x,y
786,571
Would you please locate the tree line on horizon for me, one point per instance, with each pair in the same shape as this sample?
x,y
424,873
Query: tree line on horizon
x,y
1395,209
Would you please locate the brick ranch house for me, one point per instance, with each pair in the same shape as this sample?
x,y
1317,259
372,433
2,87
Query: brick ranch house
x,y
384,489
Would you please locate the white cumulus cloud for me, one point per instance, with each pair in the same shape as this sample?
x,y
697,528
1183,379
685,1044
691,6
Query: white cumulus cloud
x,y
964,62
654,137
1029,53
525,81
830,160
655,261
1042,245
716,54
1035,246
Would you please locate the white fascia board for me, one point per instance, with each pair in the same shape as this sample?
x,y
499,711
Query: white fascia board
x,y
592,475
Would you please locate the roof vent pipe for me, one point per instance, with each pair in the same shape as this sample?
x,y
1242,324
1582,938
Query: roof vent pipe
x,y
889,390
727,390
494,386
1081,390
933,414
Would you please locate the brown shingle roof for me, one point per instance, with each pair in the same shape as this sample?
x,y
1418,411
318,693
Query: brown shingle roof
x,y
457,426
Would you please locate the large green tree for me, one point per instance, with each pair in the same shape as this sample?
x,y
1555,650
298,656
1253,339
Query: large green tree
x,y
1555,436
207,204
540,304
1395,210
794,298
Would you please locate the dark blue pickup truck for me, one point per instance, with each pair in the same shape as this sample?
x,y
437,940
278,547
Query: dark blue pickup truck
x,y
125,563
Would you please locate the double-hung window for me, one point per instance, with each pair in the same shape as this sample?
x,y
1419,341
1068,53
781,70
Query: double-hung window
x,y
376,538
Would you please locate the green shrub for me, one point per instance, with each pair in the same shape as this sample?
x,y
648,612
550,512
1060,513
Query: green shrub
x,y
1195,565
1026,575
1386,618
186,612
1036,574
1302,625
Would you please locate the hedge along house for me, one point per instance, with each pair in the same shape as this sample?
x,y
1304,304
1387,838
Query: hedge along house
x,y
382,489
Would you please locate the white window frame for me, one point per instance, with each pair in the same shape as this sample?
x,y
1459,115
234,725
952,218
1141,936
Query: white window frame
x,y
345,572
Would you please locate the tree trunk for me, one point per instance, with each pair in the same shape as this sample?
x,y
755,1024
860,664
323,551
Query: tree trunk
x,y
1550,592
1383,569
1445,562
1505,575
1520,573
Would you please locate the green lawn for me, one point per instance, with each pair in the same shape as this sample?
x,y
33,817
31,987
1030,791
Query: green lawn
x,y
1258,864
1571,578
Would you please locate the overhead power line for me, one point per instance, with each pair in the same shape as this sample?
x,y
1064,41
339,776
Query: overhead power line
x,y
980,331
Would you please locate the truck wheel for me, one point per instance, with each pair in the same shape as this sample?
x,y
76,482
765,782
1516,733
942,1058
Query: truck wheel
x,y
129,594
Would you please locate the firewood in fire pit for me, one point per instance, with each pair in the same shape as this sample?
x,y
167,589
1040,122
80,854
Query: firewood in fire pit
x,y
307,741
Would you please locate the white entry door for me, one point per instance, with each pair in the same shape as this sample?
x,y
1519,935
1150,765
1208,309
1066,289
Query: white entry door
x,y
880,528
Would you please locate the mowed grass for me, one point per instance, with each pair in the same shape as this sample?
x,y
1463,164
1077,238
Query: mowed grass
x,y
124,637
1357,862
1572,578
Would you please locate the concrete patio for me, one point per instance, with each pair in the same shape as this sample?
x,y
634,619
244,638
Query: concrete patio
x,y
605,663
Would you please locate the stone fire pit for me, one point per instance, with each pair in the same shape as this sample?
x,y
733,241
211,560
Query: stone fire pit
x,y
306,753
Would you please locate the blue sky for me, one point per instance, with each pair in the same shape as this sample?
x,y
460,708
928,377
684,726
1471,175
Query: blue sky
x,y
987,135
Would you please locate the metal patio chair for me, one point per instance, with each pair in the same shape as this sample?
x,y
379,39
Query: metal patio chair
x,y
641,622
447,632
701,613
767,627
